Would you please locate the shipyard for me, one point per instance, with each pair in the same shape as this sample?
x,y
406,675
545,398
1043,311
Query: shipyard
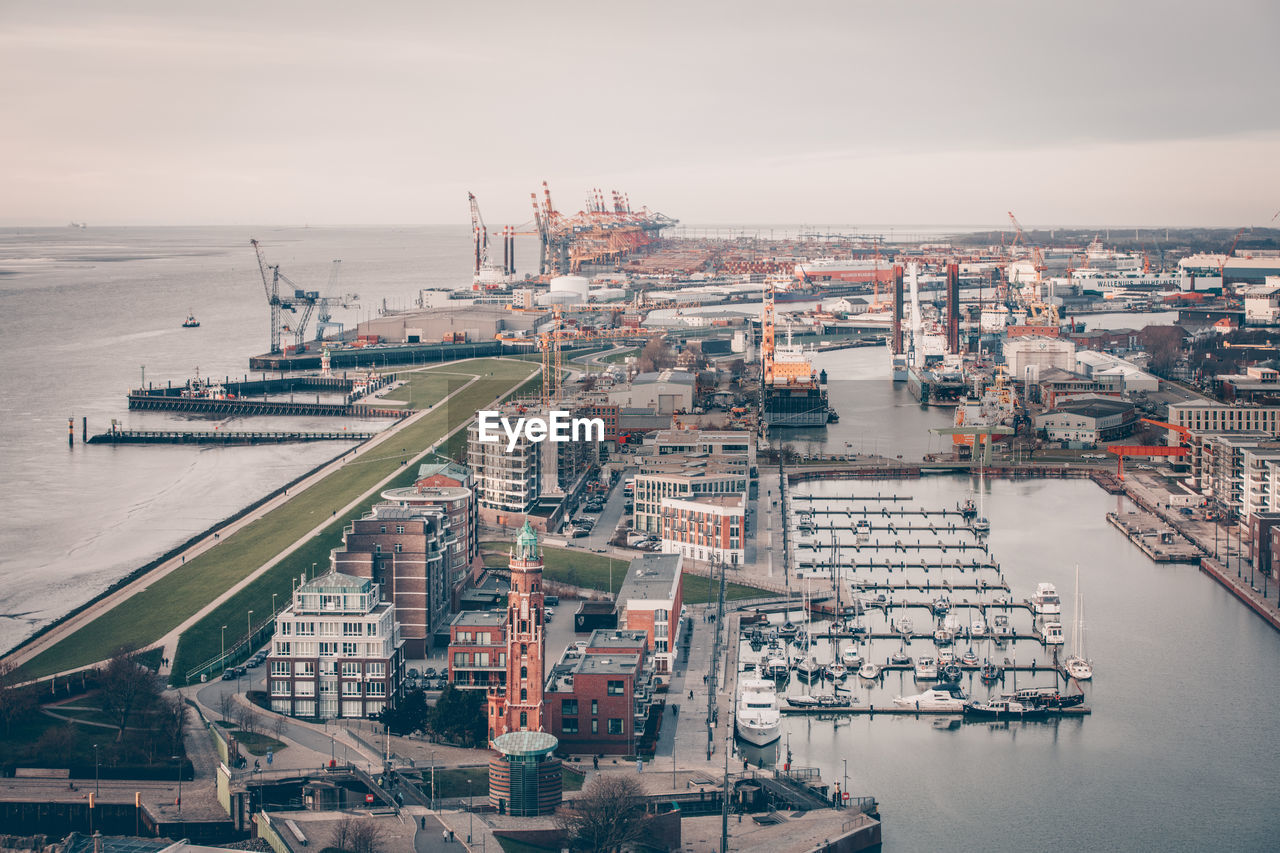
x,y
639,429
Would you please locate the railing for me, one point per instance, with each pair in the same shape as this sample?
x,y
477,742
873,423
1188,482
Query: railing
x,y
219,661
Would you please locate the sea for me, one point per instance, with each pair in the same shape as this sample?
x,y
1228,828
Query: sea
x,y
1179,753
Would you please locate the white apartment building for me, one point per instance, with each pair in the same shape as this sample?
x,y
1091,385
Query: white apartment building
x,y
336,652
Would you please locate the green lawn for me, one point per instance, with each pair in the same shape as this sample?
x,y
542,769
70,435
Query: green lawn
x,y
620,356
453,782
258,744
424,388
166,603
600,572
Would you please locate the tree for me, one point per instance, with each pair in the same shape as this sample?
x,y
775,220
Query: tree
x,y
125,687
609,814
173,721
226,702
279,725
15,702
353,834
410,715
656,355
460,715
57,743
246,719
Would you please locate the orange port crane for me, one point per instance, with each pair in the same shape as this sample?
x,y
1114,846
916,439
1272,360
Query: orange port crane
x,y
1121,451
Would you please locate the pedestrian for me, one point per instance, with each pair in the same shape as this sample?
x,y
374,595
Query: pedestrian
x,y
691,692
595,763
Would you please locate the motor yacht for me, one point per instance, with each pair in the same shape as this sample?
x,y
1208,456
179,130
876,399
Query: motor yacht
x,y
1053,634
926,669
1003,709
758,719
869,671
936,699
1046,602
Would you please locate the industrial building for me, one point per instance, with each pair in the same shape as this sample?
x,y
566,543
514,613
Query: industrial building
x,y
336,652
665,392
1037,353
1133,379
1088,420
463,324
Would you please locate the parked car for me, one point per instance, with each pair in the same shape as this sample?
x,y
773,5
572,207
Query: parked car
x,y
580,532
228,674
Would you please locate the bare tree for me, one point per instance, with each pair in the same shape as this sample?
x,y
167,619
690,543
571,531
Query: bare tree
x,y
352,834
609,814
279,725
247,720
126,687
226,702
173,721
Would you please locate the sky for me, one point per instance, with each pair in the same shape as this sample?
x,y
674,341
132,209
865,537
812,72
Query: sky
x,y
1083,113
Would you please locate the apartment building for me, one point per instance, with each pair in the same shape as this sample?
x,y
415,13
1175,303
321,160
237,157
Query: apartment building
x,y
478,649
650,600
336,652
685,478
706,528
599,694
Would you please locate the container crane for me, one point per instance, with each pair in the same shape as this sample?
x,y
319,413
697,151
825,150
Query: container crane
x,y
306,300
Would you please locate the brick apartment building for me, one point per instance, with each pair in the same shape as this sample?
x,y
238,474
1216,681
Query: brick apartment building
x,y
650,600
706,528
600,693
478,649
407,551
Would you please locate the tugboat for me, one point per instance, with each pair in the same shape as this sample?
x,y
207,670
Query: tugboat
x,y
191,322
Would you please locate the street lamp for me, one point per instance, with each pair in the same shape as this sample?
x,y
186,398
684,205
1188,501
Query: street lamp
x,y
433,779
273,603
95,771
178,759
250,621
224,641
471,815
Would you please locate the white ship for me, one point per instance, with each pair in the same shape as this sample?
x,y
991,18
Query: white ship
x,y
1046,601
758,719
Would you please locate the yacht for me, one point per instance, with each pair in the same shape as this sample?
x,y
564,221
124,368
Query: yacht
x,y
808,669
1045,602
926,669
1077,665
936,699
978,628
1047,697
950,672
191,322
905,625
1053,634
806,701
943,637
758,719
788,629
946,656
980,525
1003,709
992,671
941,605
776,667
851,657
835,671
900,658
969,658
967,509
1000,627
863,530
869,671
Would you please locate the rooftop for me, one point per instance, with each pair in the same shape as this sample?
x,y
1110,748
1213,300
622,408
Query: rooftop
x,y
480,619
608,638
443,465
651,577
677,377
525,743
336,582
619,663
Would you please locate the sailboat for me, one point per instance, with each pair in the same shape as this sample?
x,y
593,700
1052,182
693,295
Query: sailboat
x,y
1077,665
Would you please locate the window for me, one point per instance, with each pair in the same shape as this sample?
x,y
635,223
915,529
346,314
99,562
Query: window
x,y
399,548
459,658
595,708
484,638
279,688
328,688
350,670
350,688
524,694
400,528
371,629
524,672
351,709
279,667
615,726
595,725
282,648
569,708
376,670
286,628
569,726
327,667
615,688
349,649
524,720
328,648
464,636
351,629
305,668
482,659
304,688
377,688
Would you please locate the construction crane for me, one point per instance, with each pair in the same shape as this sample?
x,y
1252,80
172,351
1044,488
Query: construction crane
x,y
325,306
306,300
1018,236
479,235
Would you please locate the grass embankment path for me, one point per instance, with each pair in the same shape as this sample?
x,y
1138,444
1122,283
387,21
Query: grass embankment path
x,y
161,605
605,574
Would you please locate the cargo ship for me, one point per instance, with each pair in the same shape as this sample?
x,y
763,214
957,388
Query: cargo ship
x,y
792,393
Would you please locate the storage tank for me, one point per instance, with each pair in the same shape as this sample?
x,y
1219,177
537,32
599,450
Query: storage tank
x,y
571,284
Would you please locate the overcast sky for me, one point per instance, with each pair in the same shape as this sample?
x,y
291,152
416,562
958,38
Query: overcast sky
x,y
750,112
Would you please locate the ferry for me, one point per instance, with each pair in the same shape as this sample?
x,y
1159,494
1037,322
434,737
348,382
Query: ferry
x,y
758,719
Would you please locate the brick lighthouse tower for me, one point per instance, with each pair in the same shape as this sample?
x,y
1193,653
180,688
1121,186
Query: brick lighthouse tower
x,y
519,706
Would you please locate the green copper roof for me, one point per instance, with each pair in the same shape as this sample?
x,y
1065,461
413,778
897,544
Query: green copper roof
x,y
514,744
526,543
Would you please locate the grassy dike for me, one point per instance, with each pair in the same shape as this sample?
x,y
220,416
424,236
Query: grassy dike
x,y
603,574
163,605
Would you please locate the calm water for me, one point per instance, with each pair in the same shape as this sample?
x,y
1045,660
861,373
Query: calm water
x,y
1179,753
81,313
